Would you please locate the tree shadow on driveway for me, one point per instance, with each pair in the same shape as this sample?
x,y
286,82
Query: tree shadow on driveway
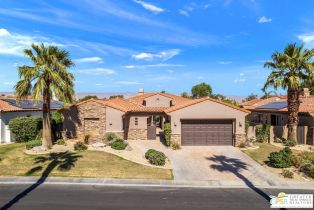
x,y
63,161
234,165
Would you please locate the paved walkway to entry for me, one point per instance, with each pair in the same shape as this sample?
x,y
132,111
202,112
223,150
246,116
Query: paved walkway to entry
x,y
216,163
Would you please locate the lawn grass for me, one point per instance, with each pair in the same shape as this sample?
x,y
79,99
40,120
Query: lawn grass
x,y
14,162
261,154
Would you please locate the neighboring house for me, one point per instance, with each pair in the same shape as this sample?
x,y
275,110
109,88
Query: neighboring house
x,y
273,111
202,121
10,108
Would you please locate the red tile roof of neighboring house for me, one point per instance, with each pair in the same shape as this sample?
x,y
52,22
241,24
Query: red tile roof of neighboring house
x,y
307,105
5,106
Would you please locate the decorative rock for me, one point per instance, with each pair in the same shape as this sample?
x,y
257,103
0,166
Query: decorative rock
x,y
98,145
39,149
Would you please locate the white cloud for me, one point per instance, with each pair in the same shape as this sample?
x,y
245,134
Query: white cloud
x,y
164,55
13,44
153,8
183,12
264,19
170,71
127,83
89,60
307,39
158,65
241,74
225,62
9,83
239,80
97,71
200,77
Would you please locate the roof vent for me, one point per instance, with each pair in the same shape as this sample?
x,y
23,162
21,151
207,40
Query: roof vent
x,y
141,91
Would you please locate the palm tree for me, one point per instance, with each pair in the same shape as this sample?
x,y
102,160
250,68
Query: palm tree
x,y
289,70
268,94
46,78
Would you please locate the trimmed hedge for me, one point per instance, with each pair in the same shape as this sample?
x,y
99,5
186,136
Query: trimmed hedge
x,y
167,133
80,146
109,138
281,159
119,144
155,157
33,143
25,129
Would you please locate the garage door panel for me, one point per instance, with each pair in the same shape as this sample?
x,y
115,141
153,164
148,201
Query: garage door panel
x,y
206,132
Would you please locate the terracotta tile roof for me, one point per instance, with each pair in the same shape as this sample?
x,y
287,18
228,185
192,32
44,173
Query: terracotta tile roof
x,y
125,105
134,104
252,104
7,107
307,105
195,101
176,99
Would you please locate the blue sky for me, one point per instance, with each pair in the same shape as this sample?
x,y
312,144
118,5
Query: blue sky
x,y
124,45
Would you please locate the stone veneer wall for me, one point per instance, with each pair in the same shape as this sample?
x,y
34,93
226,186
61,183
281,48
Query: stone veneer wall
x,y
239,138
87,118
137,134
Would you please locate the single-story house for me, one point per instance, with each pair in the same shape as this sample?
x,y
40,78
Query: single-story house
x,y
203,121
273,111
10,108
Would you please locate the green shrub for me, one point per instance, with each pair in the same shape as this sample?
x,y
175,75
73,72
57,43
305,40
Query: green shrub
x,y
86,138
57,117
308,169
302,158
33,143
175,145
242,145
109,138
61,142
25,129
287,174
281,159
167,133
289,143
262,133
80,146
119,144
155,157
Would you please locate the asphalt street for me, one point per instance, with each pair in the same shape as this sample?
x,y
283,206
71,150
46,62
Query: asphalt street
x,y
79,197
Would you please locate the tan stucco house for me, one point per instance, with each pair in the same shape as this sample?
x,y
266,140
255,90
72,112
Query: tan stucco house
x,y
273,111
202,121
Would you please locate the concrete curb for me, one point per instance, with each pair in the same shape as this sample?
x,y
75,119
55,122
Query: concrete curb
x,y
147,182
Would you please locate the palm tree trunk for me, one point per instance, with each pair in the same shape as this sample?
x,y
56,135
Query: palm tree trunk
x,y
293,112
47,140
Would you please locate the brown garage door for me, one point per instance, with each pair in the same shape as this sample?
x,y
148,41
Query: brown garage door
x,y
206,132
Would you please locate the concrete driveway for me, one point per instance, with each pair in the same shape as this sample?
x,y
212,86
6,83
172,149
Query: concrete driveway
x,y
217,163
213,163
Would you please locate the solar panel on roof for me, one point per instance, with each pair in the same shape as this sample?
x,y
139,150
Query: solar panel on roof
x,y
274,105
31,104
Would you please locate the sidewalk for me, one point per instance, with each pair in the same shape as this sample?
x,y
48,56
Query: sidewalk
x,y
151,183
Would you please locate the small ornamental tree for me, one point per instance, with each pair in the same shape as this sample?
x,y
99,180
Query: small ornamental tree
x,y
167,133
25,129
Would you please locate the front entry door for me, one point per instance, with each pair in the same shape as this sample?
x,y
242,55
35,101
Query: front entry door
x,y
151,132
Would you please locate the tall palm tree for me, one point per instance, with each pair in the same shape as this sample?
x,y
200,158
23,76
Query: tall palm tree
x,y
289,70
268,94
47,77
